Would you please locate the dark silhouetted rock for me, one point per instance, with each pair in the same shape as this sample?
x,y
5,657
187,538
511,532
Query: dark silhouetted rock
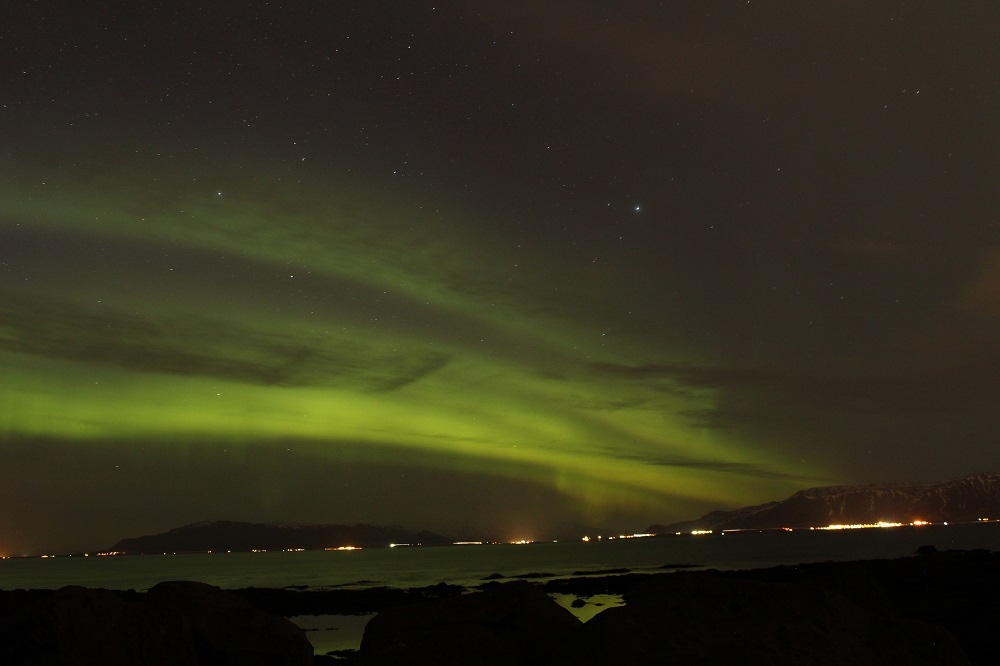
x,y
953,589
175,624
78,626
341,601
507,623
705,619
228,631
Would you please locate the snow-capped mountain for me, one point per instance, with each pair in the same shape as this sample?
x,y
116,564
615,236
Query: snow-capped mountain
x,y
964,499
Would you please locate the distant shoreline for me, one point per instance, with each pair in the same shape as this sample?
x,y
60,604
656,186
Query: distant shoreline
x,y
882,525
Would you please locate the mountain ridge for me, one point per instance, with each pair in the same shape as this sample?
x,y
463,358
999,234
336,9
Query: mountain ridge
x,y
228,535
962,499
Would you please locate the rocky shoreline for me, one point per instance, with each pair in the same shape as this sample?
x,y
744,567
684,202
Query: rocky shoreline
x,y
931,608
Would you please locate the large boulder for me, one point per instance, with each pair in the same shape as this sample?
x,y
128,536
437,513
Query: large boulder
x,y
175,624
76,626
705,619
228,631
510,623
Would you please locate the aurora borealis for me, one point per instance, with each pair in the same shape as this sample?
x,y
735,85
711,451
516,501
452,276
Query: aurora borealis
x,y
503,266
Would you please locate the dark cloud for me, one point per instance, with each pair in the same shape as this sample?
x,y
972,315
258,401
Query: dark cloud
x,y
201,346
737,469
862,392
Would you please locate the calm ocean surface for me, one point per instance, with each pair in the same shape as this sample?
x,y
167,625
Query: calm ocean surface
x,y
417,566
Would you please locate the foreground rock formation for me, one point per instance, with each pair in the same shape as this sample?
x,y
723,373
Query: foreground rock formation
x,y
703,619
933,608
175,624
511,623
684,618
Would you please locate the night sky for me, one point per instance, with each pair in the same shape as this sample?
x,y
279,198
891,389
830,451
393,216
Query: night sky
x,y
489,266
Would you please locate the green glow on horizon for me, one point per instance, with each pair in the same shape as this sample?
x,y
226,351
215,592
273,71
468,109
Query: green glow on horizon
x,y
485,368
505,433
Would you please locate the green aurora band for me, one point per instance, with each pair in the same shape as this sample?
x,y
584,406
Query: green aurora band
x,y
262,310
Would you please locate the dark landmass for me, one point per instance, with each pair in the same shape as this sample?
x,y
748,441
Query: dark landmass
x,y
237,536
933,608
959,500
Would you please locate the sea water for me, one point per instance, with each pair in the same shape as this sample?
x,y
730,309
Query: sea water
x,y
470,564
